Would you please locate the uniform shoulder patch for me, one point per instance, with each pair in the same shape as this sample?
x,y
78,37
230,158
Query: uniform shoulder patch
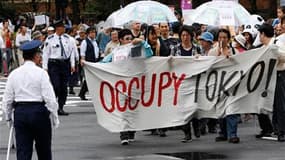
x,y
50,37
66,36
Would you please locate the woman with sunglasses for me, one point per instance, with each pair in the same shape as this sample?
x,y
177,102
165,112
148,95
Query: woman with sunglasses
x,y
128,48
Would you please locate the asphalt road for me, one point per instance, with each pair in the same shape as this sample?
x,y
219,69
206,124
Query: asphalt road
x,y
79,137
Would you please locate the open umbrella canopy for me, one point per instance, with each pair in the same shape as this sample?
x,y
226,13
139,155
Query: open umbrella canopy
x,y
149,12
221,13
112,21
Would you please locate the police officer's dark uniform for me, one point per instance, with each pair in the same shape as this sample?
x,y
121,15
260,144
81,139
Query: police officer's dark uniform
x,y
30,95
58,57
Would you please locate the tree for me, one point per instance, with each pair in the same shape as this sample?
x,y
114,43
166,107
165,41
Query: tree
x,y
253,6
75,11
34,5
48,5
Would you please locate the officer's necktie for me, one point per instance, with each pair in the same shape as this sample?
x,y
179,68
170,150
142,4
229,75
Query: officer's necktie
x,y
62,49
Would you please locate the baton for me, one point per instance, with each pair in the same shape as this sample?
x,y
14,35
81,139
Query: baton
x,y
9,142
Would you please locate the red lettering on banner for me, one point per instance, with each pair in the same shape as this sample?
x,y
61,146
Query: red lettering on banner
x,y
134,80
177,83
124,89
163,86
102,98
150,101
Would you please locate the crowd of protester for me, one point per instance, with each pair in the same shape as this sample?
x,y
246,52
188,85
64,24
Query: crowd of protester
x,y
164,39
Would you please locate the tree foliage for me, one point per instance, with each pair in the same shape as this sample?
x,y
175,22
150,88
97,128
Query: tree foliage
x,y
7,11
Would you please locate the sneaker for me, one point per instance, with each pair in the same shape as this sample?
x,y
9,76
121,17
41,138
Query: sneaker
x,y
82,97
262,134
197,132
186,139
72,92
221,138
154,132
234,140
131,139
61,112
124,142
161,133
281,138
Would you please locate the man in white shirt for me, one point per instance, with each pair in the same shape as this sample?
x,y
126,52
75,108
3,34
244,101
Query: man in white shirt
x,y
58,59
21,38
30,95
89,51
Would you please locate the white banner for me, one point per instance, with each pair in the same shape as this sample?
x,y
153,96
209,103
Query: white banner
x,y
140,94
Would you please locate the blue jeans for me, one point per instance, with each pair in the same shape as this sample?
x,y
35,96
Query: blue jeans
x,y
228,126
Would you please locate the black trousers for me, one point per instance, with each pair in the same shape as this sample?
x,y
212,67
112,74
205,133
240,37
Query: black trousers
x,y
187,127
127,135
83,89
32,123
278,118
265,123
59,71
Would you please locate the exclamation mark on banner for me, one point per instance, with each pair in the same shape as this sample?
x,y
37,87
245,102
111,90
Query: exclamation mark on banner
x,y
269,74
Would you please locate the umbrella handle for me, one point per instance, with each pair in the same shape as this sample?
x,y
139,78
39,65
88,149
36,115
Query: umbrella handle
x,y
9,142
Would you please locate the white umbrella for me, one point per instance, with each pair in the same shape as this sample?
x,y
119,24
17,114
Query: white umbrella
x,y
149,12
112,21
221,13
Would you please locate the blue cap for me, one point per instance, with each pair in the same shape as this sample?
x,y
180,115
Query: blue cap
x,y
207,36
31,46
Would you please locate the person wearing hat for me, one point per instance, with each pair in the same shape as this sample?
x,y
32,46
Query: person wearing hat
x,y
37,35
239,43
249,35
50,30
29,96
206,41
59,60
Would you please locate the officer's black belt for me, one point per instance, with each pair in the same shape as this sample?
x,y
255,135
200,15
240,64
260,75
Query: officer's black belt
x,y
55,60
28,103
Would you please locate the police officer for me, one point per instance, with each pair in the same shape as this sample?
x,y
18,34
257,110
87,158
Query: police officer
x,y
30,95
58,56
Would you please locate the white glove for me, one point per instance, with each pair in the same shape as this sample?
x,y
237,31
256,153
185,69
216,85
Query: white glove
x,y
54,120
